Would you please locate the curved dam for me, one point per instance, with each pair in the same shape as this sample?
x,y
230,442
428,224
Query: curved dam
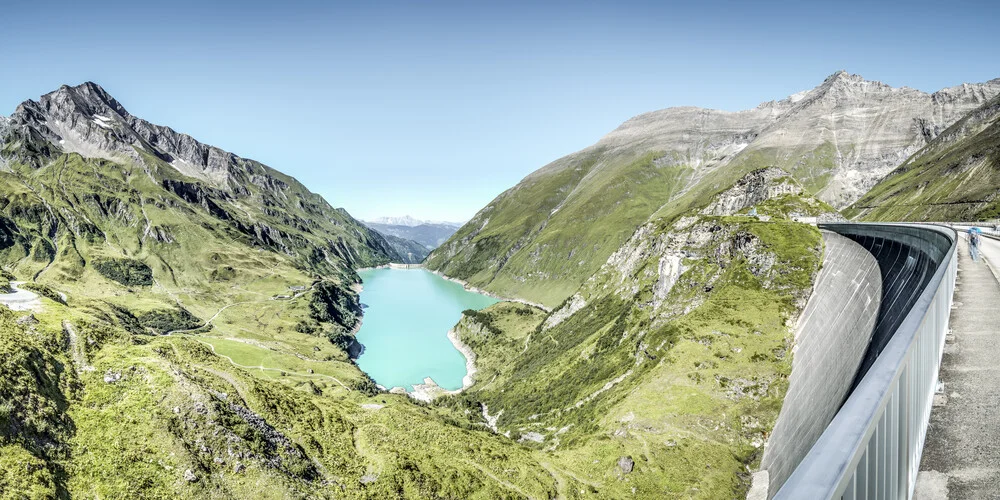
x,y
831,339
873,280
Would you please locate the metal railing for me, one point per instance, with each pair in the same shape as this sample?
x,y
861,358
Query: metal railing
x,y
872,448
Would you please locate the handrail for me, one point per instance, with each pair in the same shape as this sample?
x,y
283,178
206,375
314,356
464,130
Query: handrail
x,y
872,448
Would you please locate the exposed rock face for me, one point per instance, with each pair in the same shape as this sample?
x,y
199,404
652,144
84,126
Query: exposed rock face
x,y
955,177
574,305
676,248
756,187
856,131
87,120
4,134
626,464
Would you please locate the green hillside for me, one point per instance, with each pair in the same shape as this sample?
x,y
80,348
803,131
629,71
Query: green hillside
x,y
191,338
956,177
682,370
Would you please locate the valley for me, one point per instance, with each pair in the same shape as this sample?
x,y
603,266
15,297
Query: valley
x,y
255,341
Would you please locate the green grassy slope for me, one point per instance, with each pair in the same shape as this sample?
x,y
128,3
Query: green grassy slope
x,y
192,344
542,238
956,177
685,382
544,254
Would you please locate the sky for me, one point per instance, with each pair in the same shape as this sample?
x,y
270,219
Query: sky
x,y
432,109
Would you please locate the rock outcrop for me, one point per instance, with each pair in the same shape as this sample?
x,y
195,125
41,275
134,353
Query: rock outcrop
x,y
758,186
955,177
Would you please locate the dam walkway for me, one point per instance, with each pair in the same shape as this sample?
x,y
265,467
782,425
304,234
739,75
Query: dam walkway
x,y
961,455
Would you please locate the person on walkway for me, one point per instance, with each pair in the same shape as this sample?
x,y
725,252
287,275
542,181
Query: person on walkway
x,y
974,240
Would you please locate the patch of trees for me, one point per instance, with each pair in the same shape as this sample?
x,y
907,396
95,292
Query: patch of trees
x,y
331,303
128,272
164,321
366,386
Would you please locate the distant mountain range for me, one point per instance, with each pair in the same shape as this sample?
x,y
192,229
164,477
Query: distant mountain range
x,y
406,220
429,234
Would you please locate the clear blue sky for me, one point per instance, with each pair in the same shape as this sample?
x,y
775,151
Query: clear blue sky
x,y
433,108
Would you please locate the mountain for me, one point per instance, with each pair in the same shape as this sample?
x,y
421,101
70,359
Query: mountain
x,y
191,331
265,207
428,234
408,221
540,239
410,252
956,177
663,374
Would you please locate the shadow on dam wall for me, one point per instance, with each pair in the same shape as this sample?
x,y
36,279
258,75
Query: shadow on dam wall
x,y
872,276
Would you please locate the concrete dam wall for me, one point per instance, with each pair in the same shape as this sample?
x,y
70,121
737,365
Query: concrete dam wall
x,y
832,337
872,276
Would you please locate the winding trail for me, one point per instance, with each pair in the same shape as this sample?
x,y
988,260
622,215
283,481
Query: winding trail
x,y
558,474
79,356
227,306
504,483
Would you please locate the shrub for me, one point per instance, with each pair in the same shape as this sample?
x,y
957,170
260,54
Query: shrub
x,y
129,272
44,291
164,321
366,386
224,273
331,303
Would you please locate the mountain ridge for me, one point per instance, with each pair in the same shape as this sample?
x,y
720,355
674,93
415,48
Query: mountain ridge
x,y
542,237
407,220
270,207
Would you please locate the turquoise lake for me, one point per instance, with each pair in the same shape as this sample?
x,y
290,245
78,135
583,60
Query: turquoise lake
x,y
405,327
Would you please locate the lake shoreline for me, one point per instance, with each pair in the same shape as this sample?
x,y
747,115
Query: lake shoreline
x,y
464,283
488,293
429,389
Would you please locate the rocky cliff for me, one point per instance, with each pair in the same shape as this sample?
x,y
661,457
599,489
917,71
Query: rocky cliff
x,y
675,350
954,178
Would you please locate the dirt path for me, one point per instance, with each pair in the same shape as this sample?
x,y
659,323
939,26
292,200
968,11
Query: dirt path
x,y
227,306
503,482
79,356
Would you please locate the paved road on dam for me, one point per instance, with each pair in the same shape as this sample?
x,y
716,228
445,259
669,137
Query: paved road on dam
x,y
961,457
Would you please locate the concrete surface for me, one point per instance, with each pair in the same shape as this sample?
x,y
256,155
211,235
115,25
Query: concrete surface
x,y
961,458
831,337
21,300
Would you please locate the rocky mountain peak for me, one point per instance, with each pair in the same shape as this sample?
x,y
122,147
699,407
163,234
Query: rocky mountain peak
x,y
86,119
846,86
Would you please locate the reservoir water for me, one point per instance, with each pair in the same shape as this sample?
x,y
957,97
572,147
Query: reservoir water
x,y
405,327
